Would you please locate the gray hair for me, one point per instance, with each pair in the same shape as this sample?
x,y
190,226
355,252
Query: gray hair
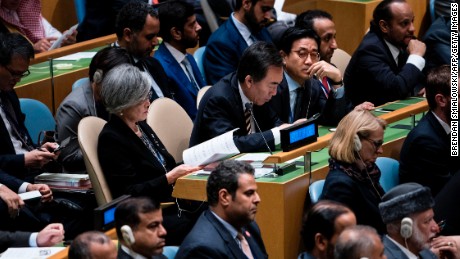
x,y
355,242
124,86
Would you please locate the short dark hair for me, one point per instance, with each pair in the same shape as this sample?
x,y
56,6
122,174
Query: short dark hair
x,y
358,245
306,19
133,16
321,219
239,4
14,44
225,176
127,212
173,14
256,60
382,12
108,58
437,82
81,245
292,34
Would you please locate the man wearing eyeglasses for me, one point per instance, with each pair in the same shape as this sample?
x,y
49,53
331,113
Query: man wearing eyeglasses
x,y
300,94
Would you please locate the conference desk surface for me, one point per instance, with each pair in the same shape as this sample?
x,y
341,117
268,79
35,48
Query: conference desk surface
x,y
282,198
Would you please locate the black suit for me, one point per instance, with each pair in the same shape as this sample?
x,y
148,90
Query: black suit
x,y
210,239
123,255
221,110
13,239
155,69
313,99
372,74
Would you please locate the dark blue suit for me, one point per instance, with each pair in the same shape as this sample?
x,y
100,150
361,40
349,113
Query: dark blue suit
x,y
224,50
425,155
210,239
185,92
221,110
437,40
372,74
392,251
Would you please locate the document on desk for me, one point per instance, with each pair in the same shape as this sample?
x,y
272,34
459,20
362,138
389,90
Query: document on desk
x,y
57,43
30,252
215,149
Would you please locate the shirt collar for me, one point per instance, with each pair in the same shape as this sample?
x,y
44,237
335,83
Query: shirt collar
x,y
444,125
232,230
242,28
292,84
244,99
133,254
178,56
394,51
408,253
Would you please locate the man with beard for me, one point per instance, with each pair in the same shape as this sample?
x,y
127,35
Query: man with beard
x,y
407,212
179,30
321,226
387,65
140,231
137,29
244,27
227,229
425,154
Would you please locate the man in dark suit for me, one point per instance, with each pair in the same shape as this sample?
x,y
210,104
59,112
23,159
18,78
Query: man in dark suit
x,y
140,231
425,154
228,104
244,27
137,29
300,94
227,229
179,30
49,236
388,64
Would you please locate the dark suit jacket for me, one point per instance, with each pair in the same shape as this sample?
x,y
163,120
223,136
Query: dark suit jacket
x,y
360,198
210,239
224,50
332,110
9,161
437,40
392,251
372,74
425,155
13,239
129,166
221,110
123,255
155,69
185,92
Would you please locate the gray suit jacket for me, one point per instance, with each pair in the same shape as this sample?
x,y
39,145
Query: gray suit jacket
x,y
13,239
77,105
392,251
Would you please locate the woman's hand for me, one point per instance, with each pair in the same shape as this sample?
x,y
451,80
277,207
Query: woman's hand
x,y
445,247
180,171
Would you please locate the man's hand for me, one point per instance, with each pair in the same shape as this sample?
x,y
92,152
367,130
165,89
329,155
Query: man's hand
x,y
445,247
69,40
38,158
323,69
45,191
50,146
365,106
50,235
43,44
12,200
416,47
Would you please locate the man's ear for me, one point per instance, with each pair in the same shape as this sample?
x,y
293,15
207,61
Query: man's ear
x,y
383,25
441,100
175,34
283,56
248,81
224,197
127,34
320,242
246,5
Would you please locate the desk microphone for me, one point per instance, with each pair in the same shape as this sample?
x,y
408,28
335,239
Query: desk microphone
x,y
276,169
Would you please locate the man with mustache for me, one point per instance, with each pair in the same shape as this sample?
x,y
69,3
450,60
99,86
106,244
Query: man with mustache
x,y
244,27
407,212
140,231
227,229
388,64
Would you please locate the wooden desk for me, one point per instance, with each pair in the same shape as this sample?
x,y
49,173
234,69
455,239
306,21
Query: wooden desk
x,y
352,17
282,199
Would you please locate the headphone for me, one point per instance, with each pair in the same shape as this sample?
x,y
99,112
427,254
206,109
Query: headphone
x,y
406,227
357,143
98,76
128,235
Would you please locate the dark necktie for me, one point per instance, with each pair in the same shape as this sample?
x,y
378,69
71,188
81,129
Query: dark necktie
x,y
402,58
299,103
247,118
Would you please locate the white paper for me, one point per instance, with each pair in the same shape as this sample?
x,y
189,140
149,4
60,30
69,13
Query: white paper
x,y
57,43
253,157
213,150
30,252
201,172
261,172
77,56
30,195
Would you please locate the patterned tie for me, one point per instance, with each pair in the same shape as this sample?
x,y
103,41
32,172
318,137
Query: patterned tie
x,y
188,69
326,86
247,118
245,246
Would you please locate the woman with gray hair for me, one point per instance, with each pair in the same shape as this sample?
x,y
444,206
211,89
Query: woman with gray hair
x,y
353,177
132,157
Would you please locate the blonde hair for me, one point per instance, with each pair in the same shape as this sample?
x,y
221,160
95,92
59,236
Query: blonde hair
x,y
358,123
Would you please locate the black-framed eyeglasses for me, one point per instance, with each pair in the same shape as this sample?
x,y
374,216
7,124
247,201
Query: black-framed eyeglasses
x,y
303,54
377,144
16,74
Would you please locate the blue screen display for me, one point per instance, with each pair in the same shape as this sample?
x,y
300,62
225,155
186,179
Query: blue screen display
x,y
302,133
109,216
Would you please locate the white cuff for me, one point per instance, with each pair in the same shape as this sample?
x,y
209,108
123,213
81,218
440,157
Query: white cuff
x,y
33,239
276,135
417,61
339,92
23,187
